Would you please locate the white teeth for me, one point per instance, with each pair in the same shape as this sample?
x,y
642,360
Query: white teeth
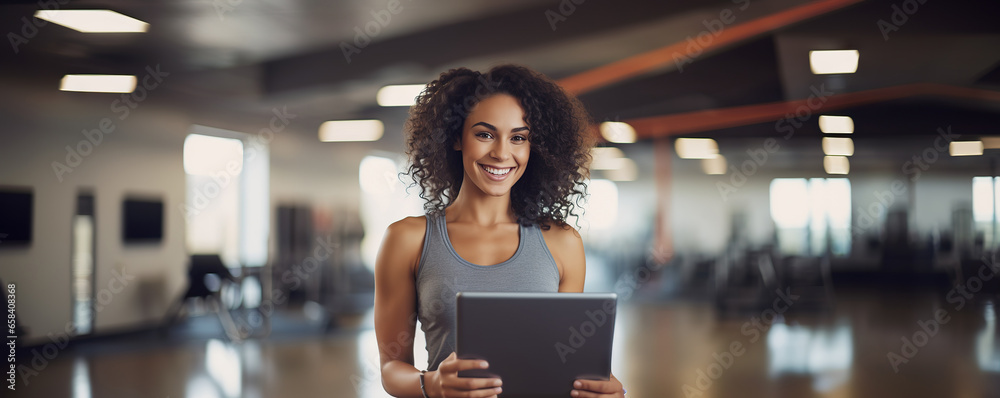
x,y
498,172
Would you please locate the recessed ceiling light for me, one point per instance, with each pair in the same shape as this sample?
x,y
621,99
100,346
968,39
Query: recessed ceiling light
x,y
98,83
399,95
837,146
965,148
351,130
833,61
618,132
836,124
696,148
836,164
93,21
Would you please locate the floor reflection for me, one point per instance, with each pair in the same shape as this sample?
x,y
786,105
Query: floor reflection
x,y
822,353
223,363
81,378
986,349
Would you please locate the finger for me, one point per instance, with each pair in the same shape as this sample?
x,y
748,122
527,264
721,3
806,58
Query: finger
x,y
475,383
458,365
598,386
589,394
481,393
490,392
470,383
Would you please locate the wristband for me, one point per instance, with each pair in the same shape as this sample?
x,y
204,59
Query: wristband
x,y
422,389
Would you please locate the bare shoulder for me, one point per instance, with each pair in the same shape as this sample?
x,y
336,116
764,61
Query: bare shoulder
x,y
566,246
409,226
404,241
562,236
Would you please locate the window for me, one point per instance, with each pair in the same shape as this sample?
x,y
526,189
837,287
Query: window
x,y
83,263
811,214
984,204
227,204
213,166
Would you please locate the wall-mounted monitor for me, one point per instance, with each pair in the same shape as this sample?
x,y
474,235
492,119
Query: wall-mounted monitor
x,y
16,213
142,220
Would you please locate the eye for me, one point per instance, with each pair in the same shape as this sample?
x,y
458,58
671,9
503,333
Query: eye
x,y
484,134
520,138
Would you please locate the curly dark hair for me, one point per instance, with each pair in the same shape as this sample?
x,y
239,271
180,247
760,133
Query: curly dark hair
x,y
560,141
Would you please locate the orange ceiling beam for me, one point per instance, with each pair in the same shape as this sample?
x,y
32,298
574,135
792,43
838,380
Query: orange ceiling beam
x,y
662,57
714,119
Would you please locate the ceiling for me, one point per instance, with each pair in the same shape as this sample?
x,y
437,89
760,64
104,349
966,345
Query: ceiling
x,y
248,56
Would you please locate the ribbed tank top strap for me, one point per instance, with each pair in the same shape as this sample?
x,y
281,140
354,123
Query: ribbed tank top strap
x,y
540,250
434,245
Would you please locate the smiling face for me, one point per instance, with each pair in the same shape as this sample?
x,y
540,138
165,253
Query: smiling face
x,y
494,145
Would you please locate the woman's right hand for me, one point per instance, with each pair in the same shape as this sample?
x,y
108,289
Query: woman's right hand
x,y
449,385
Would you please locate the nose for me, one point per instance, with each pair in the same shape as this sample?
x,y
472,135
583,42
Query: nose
x,y
500,150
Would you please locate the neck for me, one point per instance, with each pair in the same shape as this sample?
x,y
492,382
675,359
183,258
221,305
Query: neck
x,y
473,206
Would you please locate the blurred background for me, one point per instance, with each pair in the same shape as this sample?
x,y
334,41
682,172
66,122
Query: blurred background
x,y
791,198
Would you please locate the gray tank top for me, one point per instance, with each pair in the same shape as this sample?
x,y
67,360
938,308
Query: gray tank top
x,y
442,274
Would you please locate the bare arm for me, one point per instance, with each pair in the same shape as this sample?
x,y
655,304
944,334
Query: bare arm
x,y
566,246
395,307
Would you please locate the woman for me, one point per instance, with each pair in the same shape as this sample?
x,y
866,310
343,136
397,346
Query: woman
x,y
495,221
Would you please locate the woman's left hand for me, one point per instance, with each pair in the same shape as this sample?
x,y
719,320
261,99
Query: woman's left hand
x,y
598,388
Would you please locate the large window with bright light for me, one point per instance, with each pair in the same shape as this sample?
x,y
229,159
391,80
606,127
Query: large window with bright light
x,y
227,206
984,204
213,195
812,215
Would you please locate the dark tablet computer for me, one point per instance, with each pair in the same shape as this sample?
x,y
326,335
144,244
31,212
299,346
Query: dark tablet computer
x,y
538,343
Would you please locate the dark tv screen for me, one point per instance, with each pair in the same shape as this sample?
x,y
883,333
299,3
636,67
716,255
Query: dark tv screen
x,y
15,216
142,221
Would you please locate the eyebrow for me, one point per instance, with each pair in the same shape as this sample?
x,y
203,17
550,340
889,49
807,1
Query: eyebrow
x,y
491,127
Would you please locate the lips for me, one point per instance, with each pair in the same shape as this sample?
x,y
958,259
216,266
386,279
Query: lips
x,y
496,173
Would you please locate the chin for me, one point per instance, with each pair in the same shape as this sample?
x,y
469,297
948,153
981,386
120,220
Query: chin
x,y
496,191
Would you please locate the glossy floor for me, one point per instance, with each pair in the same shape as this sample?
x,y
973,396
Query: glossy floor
x,y
861,348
